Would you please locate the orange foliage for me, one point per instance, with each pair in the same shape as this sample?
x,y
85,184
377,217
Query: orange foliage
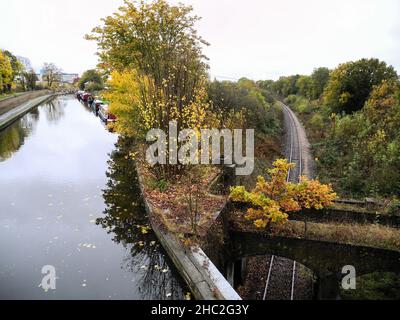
x,y
272,200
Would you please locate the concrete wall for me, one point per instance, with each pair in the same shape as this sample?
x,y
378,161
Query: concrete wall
x,y
12,102
18,111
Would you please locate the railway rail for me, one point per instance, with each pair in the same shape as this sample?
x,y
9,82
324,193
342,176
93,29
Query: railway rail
x,y
294,155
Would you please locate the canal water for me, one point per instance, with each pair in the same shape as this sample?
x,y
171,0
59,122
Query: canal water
x,y
69,199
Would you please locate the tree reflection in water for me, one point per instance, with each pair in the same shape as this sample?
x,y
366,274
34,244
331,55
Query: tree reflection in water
x,y
126,218
54,110
13,137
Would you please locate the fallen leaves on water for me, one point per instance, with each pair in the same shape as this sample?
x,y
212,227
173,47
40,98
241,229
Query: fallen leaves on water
x,y
144,229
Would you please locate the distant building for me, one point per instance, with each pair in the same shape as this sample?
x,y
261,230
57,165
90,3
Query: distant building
x,y
69,77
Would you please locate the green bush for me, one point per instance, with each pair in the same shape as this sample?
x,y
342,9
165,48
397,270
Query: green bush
x,y
247,97
317,122
299,103
394,207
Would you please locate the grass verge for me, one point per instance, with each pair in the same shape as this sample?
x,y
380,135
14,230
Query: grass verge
x,y
369,235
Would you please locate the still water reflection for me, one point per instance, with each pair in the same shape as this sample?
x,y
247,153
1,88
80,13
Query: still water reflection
x,y
69,198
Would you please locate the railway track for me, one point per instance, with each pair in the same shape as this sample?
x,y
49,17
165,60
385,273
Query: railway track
x,y
294,152
278,268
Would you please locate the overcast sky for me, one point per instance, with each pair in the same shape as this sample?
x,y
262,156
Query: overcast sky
x,y
259,39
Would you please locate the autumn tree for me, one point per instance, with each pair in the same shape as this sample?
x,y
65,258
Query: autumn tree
x,y
6,72
30,79
272,200
286,86
304,87
154,48
51,74
266,85
351,84
92,79
16,66
125,92
364,147
243,99
319,79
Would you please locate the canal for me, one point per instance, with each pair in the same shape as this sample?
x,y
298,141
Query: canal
x,y
69,199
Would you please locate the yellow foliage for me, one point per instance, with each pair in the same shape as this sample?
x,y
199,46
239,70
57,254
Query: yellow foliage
x,y
159,72
134,116
144,229
6,72
313,194
272,200
238,194
139,106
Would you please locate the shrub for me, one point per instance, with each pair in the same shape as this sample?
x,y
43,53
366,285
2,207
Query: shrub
x,y
272,200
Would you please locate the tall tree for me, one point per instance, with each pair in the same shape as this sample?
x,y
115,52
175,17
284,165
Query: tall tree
x,y
16,66
244,98
305,86
30,79
154,48
159,41
51,74
6,72
351,84
319,78
286,86
91,78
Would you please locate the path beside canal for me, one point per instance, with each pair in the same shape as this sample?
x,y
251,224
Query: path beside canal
x,y
13,108
8,103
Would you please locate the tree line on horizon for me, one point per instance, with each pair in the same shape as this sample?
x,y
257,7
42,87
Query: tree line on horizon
x,y
352,116
15,77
